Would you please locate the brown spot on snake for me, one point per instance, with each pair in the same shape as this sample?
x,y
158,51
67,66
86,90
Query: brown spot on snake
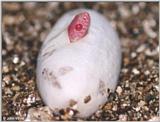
x,y
87,99
48,53
64,70
51,77
102,88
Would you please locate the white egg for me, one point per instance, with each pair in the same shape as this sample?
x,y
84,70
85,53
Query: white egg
x,y
77,72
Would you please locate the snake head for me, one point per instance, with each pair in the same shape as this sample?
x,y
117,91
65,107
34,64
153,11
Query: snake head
x,y
79,26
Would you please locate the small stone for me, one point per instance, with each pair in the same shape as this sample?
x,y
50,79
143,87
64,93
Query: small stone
x,y
148,52
124,11
142,5
156,118
119,90
122,117
150,62
5,69
147,72
122,27
31,99
98,113
71,113
4,52
135,9
146,108
133,55
141,48
67,5
126,61
29,5
22,63
8,91
124,70
136,31
16,96
12,6
124,105
39,114
135,71
108,106
3,84
8,20
53,5
141,103
127,84
15,59
15,88
137,108
152,22
7,79
115,108
147,28
157,87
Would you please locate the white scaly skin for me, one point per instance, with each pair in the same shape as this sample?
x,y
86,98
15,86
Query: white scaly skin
x,y
93,65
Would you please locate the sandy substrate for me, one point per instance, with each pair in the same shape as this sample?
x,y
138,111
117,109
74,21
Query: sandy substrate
x,y
24,28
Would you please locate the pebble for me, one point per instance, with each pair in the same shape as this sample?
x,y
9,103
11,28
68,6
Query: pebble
x,y
157,87
142,5
136,71
124,70
71,113
22,63
124,12
8,91
137,108
12,6
141,48
12,20
5,69
29,5
15,59
141,103
148,52
135,9
108,106
156,118
7,79
147,72
115,107
31,99
123,117
133,54
16,88
119,90
40,114
148,29
8,20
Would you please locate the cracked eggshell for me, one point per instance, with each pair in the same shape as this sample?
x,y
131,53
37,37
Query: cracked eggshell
x,y
80,73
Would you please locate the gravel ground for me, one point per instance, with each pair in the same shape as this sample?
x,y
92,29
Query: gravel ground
x,y
24,28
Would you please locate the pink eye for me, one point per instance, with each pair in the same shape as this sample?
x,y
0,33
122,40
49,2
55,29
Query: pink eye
x,y
78,27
